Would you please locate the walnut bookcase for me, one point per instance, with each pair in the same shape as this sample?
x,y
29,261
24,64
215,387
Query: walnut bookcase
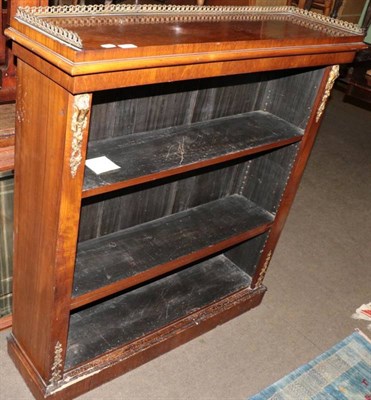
x,y
210,113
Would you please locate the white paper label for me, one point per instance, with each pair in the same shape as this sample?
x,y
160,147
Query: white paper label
x,y
127,46
101,164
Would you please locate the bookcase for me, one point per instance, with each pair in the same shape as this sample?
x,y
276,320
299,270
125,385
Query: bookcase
x,y
206,117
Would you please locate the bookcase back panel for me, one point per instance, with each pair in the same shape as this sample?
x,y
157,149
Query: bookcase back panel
x,y
288,94
122,209
145,108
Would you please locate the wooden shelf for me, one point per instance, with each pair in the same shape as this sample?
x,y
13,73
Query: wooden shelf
x,y
131,256
152,155
100,328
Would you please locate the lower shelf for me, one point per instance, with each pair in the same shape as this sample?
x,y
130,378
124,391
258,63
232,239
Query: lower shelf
x,y
115,322
80,379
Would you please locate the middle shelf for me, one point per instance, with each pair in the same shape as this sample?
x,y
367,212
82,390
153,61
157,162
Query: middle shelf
x,y
128,257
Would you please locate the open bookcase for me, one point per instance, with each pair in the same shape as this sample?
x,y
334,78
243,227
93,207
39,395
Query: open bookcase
x,y
209,115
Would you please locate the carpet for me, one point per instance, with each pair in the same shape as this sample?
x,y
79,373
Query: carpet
x,y
341,373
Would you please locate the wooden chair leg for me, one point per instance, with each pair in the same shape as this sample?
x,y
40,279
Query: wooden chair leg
x,y
298,3
327,7
307,4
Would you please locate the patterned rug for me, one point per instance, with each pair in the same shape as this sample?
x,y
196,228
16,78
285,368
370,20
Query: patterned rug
x,y
342,373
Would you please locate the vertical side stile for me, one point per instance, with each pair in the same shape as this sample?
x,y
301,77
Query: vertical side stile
x,y
72,181
46,218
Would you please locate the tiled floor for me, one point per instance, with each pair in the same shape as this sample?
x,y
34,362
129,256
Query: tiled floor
x,y
319,275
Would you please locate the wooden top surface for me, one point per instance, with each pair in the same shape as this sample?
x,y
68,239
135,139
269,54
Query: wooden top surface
x,y
96,32
121,34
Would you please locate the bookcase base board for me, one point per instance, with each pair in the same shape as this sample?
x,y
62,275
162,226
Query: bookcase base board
x,y
102,369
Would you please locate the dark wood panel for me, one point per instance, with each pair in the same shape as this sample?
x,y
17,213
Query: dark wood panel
x,y
108,325
143,108
268,175
110,212
228,95
156,154
140,253
290,99
152,107
246,255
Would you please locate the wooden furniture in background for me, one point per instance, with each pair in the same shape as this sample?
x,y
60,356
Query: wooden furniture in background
x,y
351,10
7,67
324,5
7,76
210,125
8,83
328,7
359,74
7,131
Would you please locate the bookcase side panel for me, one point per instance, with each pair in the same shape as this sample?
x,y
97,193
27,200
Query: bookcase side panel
x,y
47,202
292,96
246,255
322,86
289,95
268,175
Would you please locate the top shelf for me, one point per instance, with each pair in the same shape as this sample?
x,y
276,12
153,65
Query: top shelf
x,y
153,155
